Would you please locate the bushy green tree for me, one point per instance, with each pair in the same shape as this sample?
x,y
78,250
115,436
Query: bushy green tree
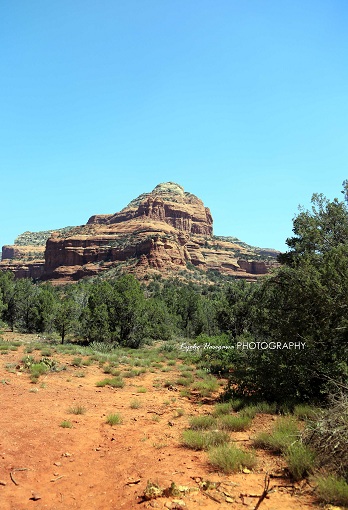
x,y
128,306
66,315
26,309
7,290
234,308
305,301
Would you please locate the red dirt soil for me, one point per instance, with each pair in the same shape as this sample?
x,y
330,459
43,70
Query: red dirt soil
x,y
95,466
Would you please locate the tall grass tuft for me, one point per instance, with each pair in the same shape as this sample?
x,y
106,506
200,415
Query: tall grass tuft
x,y
198,440
235,423
284,433
332,489
300,460
202,422
231,459
114,419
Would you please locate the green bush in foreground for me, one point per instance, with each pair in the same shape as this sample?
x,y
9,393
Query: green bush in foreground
x,y
332,490
231,459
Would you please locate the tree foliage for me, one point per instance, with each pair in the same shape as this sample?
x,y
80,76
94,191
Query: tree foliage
x,y
305,301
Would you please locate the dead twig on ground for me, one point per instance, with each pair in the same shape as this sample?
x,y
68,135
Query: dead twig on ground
x,y
13,471
55,479
265,492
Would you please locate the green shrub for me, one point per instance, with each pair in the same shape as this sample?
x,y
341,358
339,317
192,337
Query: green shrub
x,y
115,382
28,361
114,419
131,373
184,381
37,369
266,408
230,459
101,347
46,352
202,422
305,412
11,367
221,409
76,362
135,404
80,374
237,404
235,423
197,440
66,424
206,387
249,411
300,460
284,433
332,490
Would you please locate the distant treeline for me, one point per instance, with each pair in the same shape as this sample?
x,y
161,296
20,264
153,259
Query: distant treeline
x,y
285,336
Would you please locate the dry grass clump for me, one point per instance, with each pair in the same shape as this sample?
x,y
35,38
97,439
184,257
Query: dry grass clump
x,y
77,409
328,436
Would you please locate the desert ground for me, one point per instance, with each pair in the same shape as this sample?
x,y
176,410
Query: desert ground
x,y
57,451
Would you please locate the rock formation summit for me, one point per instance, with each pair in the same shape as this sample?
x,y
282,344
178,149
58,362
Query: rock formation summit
x,y
164,231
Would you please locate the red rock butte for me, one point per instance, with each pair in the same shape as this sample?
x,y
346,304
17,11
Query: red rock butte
x,y
163,231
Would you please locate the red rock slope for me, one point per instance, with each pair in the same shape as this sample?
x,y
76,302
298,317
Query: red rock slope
x,y
163,231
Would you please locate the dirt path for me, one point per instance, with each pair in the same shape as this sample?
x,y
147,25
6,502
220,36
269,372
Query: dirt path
x,y
95,466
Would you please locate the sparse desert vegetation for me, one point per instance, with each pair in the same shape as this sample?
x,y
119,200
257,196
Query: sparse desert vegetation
x,y
211,432
227,378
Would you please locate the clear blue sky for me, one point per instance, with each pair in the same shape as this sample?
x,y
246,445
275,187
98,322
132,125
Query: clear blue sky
x,y
242,102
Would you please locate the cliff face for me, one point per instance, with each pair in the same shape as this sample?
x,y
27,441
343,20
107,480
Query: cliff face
x,y
165,230
167,203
